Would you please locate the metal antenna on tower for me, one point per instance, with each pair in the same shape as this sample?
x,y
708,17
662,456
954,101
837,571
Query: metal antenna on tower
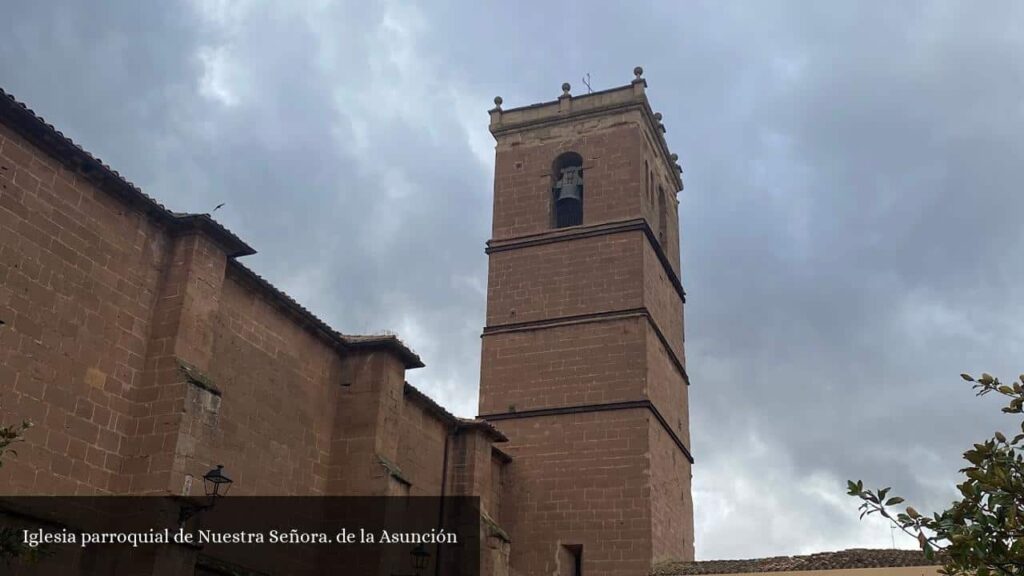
x,y
586,81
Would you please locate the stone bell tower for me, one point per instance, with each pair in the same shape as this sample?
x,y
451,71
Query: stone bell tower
x,y
583,365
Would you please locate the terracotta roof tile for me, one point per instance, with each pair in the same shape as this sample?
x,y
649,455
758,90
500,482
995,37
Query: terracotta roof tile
x,y
844,559
27,123
345,341
417,395
42,134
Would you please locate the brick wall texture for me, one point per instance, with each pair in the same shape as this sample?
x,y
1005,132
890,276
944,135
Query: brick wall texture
x,y
583,364
146,353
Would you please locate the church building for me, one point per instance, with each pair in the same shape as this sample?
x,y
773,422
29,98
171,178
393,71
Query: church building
x,y
146,354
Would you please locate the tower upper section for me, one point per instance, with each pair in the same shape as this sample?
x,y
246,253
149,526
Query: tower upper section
x,y
584,160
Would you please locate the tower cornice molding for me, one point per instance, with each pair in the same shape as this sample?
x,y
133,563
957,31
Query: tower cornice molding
x,y
571,109
587,408
610,315
589,231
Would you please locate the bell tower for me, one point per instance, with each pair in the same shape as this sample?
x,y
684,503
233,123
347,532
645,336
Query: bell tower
x,y
583,364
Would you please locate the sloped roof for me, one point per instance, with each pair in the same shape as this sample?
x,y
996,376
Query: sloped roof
x,y
26,122
843,559
318,326
417,395
36,130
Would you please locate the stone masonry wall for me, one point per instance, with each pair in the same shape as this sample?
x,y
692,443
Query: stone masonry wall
x,y
612,160
594,492
145,356
79,279
573,323
571,365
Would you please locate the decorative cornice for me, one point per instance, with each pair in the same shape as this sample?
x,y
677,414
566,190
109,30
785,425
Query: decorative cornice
x,y
569,108
393,470
589,231
588,408
198,379
607,316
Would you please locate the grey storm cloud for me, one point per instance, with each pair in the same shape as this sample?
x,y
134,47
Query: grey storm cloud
x,y
850,225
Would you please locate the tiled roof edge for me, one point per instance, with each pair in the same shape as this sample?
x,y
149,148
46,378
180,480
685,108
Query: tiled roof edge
x,y
418,396
33,128
483,425
856,558
345,342
388,342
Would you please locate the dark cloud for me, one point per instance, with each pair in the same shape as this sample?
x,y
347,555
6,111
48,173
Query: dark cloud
x,y
849,222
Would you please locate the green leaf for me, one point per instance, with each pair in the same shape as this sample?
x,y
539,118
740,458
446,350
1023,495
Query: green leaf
x,y
982,533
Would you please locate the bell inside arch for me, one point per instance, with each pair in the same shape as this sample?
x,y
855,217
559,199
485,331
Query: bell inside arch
x,y
569,197
570,185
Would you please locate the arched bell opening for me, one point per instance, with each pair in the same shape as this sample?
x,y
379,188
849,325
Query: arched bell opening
x,y
567,190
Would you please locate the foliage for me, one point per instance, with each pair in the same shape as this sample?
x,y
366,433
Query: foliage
x,y
10,435
11,546
982,533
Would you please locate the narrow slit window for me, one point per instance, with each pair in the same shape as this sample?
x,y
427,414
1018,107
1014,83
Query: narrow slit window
x,y
662,217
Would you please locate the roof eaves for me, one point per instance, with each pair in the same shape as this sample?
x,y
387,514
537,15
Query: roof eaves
x,y
418,396
234,246
289,303
29,125
484,426
384,342
36,130
841,560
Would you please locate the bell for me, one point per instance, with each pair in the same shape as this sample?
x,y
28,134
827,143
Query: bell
x,y
570,185
569,198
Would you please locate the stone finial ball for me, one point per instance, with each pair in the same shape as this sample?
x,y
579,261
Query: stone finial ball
x,y
638,72
674,157
566,87
498,100
657,116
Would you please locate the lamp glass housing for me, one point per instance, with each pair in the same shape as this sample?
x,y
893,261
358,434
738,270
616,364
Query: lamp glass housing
x,y
216,483
420,557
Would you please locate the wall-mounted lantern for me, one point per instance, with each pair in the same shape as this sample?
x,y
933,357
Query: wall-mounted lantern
x,y
216,484
420,558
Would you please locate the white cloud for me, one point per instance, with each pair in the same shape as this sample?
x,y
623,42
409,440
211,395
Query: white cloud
x,y
216,83
750,501
850,218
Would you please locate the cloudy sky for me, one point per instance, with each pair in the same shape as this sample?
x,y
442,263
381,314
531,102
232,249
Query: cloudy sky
x,y
852,230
